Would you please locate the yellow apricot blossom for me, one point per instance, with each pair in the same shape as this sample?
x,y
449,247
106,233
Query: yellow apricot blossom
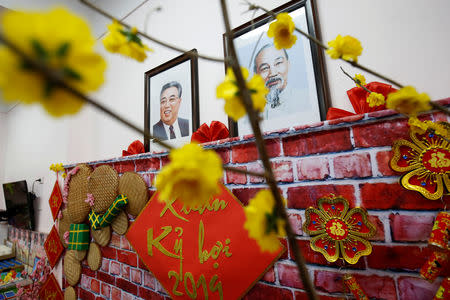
x,y
422,127
125,42
408,101
229,91
345,47
192,176
262,223
60,40
375,99
360,78
282,31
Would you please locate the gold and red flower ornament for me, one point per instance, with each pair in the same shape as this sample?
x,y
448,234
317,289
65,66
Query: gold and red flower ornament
x,y
338,231
425,159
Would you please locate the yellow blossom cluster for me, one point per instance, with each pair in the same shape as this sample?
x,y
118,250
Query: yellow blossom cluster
x,y
192,176
422,127
57,167
262,222
62,42
360,78
345,47
125,42
282,31
408,101
375,99
229,91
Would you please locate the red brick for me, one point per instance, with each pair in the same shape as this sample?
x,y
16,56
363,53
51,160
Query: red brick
x,y
379,234
88,272
108,252
85,295
127,257
285,254
95,286
318,142
105,265
330,282
124,244
288,275
114,268
347,119
149,280
394,196
85,282
263,291
102,276
136,276
124,166
411,228
380,133
245,194
269,276
305,196
147,164
397,257
149,294
352,165
116,294
248,152
115,240
313,168
256,167
296,222
126,296
379,287
224,154
126,286
383,158
164,160
106,290
236,178
300,295
282,170
314,257
125,271
412,288
440,116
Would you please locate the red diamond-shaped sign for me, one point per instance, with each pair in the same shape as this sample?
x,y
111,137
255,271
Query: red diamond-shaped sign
x,y
53,247
51,290
199,253
55,200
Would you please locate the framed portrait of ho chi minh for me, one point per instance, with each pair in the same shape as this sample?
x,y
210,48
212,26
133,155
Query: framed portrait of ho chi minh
x,y
295,77
171,101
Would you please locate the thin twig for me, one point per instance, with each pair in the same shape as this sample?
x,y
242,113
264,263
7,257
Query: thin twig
x,y
57,80
323,46
234,63
440,107
356,81
155,40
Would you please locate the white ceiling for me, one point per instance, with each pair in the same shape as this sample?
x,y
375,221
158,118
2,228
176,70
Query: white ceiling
x,y
117,8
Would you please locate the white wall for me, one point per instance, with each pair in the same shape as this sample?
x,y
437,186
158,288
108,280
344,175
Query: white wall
x,y
405,39
3,141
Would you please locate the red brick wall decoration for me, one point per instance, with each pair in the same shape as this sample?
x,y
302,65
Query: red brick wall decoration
x,y
345,157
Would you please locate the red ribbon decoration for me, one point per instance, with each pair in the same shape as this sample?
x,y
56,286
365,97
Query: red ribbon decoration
x,y
358,96
205,133
135,147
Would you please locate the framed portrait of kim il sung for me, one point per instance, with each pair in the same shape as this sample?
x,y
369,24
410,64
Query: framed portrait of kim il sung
x,y
295,77
171,101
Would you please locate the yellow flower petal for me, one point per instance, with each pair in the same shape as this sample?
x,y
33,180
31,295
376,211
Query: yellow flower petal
x,y
408,101
375,99
192,176
347,48
282,31
61,39
360,78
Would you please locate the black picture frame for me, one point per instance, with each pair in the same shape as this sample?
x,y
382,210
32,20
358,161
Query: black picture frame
x,y
316,70
184,70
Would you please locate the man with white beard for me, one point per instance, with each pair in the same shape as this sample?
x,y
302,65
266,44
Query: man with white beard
x,y
282,99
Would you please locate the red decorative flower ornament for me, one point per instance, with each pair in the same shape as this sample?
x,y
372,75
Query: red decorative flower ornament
x,y
338,231
205,133
135,147
426,159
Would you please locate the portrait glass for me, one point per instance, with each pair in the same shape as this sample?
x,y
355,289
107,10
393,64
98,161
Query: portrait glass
x,y
293,76
171,101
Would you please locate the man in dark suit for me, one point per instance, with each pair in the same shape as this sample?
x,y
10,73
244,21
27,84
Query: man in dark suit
x,y
170,126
